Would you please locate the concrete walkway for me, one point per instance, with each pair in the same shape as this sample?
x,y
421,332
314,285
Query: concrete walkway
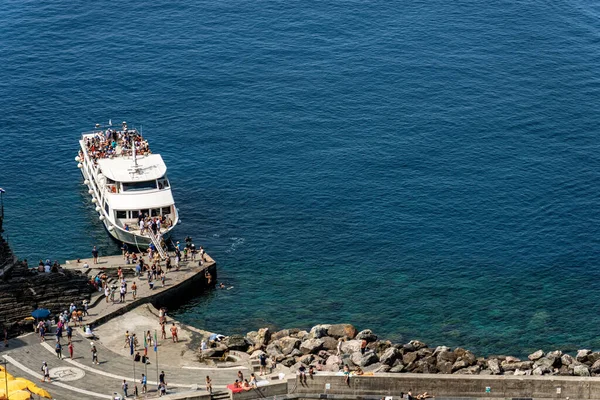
x,y
79,378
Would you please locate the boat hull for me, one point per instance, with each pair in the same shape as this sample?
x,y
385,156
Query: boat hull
x,y
135,241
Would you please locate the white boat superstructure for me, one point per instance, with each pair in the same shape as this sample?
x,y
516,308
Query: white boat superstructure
x,y
128,185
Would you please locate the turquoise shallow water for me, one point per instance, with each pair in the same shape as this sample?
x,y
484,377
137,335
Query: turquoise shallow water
x,y
425,169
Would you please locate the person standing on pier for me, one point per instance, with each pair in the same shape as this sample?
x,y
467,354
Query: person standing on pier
x,y
208,384
95,254
174,333
144,383
58,349
134,290
71,349
94,354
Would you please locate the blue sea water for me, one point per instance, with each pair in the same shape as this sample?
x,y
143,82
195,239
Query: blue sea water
x,y
426,169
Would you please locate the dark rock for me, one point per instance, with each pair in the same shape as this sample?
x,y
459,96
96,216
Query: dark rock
x,y
424,352
595,368
379,346
445,367
367,335
409,348
593,357
311,346
323,354
329,343
236,342
582,355
409,358
342,330
288,362
307,359
536,355
565,371
296,353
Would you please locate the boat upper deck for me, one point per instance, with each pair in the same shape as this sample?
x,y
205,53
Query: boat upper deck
x,y
113,143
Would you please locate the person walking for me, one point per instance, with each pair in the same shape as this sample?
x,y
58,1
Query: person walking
x,y
71,349
95,254
46,372
144,383
208,384
94,354
125,386
163,333
134,290
58,349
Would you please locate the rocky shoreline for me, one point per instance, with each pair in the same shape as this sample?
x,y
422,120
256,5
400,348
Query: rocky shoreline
x,y
319,348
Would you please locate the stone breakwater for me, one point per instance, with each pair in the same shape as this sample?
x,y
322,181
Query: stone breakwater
x,y
319,348
22,290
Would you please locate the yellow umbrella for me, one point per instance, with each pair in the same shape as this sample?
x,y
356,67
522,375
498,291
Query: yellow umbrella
x,y
19,395
16,385
40,392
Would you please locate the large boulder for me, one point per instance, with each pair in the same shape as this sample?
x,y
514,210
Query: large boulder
x,y
398,367
302,335
237,342
409,358
256,354
311,346
379,346
547,364
582,355
342,330
283,333
364,360
445,355
390,356
494,366
473,370
319,331
458,365
259,339
566,359
377,367
444,367
288,344
307,359
581,370
417,345
595,368
511,366
329,343
468,358
274,349
592,358
367,335
351,346
536,355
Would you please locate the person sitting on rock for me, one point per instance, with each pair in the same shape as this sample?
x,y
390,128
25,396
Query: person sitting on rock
x,y
246,385
359,371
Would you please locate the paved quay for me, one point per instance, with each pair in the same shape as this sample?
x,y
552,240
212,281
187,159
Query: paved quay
x,y
80,379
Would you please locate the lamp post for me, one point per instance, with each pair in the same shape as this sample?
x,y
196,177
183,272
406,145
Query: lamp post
x,y
4,363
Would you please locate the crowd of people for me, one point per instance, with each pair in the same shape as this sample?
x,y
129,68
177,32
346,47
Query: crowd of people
x,y
110,143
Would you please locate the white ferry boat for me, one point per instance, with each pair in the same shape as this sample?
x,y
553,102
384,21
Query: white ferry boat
x,y
128,184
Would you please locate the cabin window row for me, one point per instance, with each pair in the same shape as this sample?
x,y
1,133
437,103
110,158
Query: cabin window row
x,y
134,214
